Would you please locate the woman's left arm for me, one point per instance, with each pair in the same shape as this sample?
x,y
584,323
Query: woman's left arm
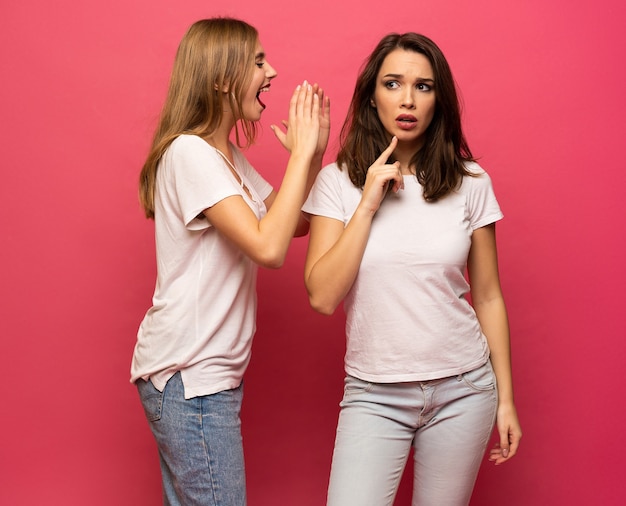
x,y
488,303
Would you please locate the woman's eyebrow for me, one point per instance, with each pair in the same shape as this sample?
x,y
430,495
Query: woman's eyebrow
x,y
399,76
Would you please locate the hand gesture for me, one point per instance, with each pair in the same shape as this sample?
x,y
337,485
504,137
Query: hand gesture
x,y
320,107
379,176
324,119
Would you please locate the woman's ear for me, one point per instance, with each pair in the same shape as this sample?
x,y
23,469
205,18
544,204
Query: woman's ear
x,y
372,103
224,89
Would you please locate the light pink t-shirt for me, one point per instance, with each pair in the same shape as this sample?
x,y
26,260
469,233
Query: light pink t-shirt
x,y
204,307
408,318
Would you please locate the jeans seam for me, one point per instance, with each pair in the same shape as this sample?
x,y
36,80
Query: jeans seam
x,y
207,452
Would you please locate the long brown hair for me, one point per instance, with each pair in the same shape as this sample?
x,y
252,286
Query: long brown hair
x,y
440,162
214,54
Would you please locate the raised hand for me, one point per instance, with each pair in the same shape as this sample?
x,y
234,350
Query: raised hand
x,y
324,118
322,111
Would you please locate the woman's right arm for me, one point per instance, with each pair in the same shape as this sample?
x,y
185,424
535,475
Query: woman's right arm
x,y
316,163
335,252
266,241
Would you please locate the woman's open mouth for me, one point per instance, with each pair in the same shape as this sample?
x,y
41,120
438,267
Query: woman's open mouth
x,y
406,121
264,89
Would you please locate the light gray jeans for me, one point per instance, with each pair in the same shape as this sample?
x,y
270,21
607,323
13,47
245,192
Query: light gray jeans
x,y
448,422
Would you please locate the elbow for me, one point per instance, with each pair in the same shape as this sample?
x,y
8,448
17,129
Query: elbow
x,y
321,299
324,307
272,262
275,264
271,258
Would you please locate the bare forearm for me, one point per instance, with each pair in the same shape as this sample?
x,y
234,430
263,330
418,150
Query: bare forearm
x,y
494,323
314,168
279,225
302,228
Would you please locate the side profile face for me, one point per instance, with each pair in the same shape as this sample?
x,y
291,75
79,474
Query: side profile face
x,y
252,105
404,96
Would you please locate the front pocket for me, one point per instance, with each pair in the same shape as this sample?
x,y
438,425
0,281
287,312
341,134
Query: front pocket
x,y
353,387
151,399
481,379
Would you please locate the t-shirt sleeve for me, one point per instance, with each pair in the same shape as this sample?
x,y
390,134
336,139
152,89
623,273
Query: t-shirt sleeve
x,y
483,207
325,196
200,178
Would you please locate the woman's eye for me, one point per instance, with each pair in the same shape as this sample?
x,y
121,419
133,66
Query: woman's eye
x,y
423,87
391,84
260,64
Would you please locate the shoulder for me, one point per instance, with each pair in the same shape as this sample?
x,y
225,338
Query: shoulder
x,y
480,198
191,144
332,194
474,169
190,153
191,158
331,168
332,174
477,178
187,140
333,180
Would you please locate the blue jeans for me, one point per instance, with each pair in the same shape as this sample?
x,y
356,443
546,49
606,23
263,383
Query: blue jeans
x,y
447,421
200,445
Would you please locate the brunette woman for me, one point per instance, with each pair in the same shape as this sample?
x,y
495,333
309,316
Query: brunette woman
x,y
395,224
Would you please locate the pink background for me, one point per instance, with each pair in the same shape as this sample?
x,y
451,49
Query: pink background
x,y
82,82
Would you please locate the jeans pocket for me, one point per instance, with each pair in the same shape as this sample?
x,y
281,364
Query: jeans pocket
x,y
151,399
355,386
481,379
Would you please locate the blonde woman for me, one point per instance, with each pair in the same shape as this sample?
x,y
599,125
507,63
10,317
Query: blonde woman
x,y
216,219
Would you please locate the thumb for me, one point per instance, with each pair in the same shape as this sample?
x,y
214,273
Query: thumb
x,y
504,443
280,135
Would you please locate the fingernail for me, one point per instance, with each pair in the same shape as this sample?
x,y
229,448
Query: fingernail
x,y
505,453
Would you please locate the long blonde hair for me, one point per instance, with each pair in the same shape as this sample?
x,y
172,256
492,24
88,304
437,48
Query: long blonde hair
x,y
214,54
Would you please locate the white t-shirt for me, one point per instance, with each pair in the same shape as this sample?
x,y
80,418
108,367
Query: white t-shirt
x,y
408,318
204,307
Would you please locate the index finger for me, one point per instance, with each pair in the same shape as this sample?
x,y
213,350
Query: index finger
x,y
384,156
306,100
293,103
